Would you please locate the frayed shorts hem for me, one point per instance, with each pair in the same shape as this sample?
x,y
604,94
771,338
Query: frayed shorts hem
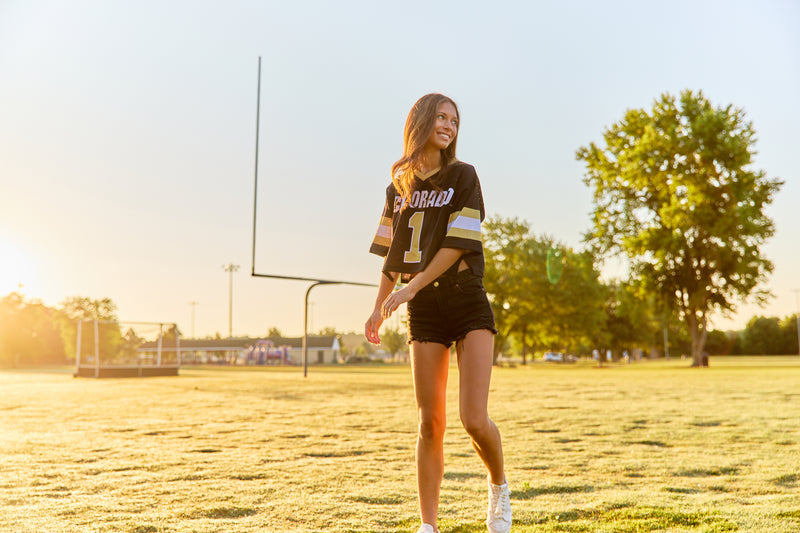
x,y
447,343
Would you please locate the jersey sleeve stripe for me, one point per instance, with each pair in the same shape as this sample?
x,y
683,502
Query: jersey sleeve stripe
x,y
465,224
465,234
383,237
382,241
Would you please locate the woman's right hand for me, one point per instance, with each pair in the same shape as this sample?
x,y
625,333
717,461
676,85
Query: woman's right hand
x,y
372,326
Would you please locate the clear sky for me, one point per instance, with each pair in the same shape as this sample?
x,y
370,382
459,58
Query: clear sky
x,y
127,135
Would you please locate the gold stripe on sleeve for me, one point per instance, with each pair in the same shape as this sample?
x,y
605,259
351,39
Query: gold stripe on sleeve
x,y
465,224
465,234
382,241
383,237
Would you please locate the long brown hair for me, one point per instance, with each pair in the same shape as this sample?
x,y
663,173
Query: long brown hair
x,y
419,126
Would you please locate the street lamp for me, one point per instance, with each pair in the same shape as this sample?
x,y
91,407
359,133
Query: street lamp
x,y
230,268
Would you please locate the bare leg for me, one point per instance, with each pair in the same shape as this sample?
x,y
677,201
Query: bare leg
x,y
475,372
429,363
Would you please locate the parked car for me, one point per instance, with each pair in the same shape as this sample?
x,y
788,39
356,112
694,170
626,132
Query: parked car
x,y
554,356
558,357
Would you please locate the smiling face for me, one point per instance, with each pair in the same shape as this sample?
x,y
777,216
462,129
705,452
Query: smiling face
x,y
445,127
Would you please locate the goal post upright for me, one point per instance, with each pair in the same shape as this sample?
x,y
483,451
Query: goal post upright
x,y
96,349
255,187
253,273
78,349
160,343
178,345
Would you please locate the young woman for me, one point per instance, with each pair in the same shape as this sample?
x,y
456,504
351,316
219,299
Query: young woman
x,y
430,236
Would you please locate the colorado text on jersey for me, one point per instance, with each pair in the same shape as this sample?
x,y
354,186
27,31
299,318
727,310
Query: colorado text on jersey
x,y
423,199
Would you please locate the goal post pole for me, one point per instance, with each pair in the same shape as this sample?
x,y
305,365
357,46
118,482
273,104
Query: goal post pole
x,y
178,344
78,349
160,340
255,186
96,350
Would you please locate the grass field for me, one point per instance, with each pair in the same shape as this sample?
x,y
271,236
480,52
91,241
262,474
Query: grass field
x,y
648,447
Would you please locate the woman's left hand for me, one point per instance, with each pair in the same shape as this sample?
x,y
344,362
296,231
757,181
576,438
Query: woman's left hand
x,y
393,301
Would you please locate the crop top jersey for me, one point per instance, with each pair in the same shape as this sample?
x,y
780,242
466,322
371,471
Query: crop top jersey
x,y
442,213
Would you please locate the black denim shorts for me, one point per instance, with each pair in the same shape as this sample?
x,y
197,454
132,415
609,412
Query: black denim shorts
x,y
448,308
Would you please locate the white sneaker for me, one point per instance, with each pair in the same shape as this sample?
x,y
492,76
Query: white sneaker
x,y
426,528
498,516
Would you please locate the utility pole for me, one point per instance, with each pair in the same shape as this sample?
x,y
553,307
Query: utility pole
x,y
193,304
230,268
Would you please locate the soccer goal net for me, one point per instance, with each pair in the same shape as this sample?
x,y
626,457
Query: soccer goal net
x,y
106,348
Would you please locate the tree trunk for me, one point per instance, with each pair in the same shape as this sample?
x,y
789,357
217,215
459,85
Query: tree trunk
x,y
499,341
698,336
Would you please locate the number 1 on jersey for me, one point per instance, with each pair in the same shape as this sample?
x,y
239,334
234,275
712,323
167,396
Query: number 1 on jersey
x,y
413,255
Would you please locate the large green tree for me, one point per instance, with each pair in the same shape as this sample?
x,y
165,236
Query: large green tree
x,y
514,273
532,309
676,194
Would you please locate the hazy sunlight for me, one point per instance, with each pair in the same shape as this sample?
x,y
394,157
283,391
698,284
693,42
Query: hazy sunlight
x,y
15,268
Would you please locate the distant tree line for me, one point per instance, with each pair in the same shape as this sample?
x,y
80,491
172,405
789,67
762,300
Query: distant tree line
x,y
768,336
30,333
33,334
578,312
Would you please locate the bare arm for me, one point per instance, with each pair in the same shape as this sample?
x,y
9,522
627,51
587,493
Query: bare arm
x,y
375,320
444,259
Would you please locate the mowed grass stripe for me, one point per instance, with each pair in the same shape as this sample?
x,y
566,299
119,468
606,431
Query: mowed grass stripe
x,y
653,446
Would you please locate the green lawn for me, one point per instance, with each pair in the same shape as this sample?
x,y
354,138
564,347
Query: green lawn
x,y
654,446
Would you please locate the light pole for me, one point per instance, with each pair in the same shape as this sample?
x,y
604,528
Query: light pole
x,y
230,268
193,304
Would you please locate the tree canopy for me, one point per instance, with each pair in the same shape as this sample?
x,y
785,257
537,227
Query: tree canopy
x,y
29,333
532,309
674,191
75,308
394,340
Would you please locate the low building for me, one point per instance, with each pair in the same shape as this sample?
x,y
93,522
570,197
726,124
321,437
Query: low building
x,y
322,349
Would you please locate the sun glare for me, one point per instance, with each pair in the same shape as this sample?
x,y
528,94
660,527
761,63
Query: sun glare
x,y
16,269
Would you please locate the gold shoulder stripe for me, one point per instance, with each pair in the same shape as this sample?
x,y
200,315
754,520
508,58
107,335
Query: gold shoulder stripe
x,y
382,241
465,234
466,212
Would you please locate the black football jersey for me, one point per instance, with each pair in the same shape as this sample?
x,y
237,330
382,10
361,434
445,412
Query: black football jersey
x,y
443,212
